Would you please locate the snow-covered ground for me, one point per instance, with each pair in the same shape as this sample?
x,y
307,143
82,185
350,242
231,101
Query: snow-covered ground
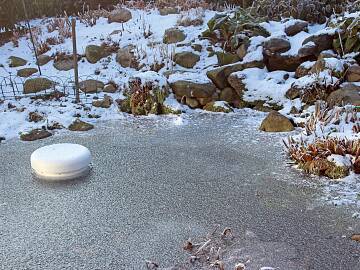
x,y
151,49
261,84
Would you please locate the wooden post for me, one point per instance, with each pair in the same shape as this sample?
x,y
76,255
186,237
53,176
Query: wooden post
x,y
76,70
31,36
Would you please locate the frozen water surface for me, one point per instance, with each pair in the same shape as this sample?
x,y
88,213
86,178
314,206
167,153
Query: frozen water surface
x,y
158,181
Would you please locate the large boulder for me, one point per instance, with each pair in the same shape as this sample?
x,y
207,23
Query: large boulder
x,y
186,59
126,58
276,122
191,89
173,35
16,61
36,85
26,72
220,75
94,53
277,45
294,27
347,94
120,15
91,86
353,74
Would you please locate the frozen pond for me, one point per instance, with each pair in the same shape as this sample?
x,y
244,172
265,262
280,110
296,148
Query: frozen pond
x,y
154,184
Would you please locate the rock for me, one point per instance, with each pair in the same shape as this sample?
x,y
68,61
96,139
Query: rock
x,y
218,106
307,50
54,125
242,50
2,139
347,94
204,101
169,10
43,59
94,53
26,72
79,125
110,88
35,117
91,86
36,85
65,64
353,74
219,75
186,59
355,237
126,58
295,28
35,134
196,47
236,82
120,15
277,45
225,58
303,69
334,65
173,35
16,61
104,103
276,122
323,41
229,95
274,61
327,54
293,93
192,102
192,89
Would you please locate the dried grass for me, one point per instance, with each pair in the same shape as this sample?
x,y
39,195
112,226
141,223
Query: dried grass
x,y
311,155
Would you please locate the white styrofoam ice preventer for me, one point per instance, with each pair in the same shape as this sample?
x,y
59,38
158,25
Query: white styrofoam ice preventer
x,y
61,161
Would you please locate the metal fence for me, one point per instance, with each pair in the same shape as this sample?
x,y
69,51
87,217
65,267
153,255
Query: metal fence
x,y
12,88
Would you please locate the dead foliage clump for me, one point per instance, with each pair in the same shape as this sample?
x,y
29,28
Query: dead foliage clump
x,y
207,252
312,153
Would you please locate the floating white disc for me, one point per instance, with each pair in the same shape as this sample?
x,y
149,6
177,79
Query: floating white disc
x,y
61,161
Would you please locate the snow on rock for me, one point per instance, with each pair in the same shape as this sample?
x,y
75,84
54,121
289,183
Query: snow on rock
x,y
264,85
189,76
